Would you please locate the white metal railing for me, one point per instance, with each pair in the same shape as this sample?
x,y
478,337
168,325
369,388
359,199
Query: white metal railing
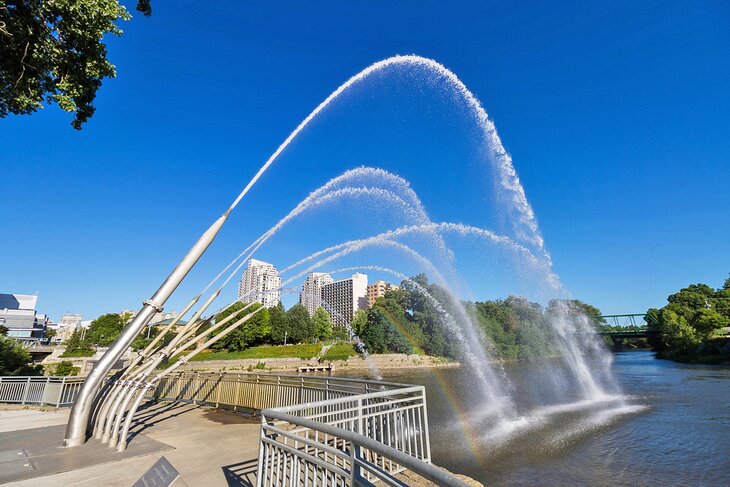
x,y
353,440
53,391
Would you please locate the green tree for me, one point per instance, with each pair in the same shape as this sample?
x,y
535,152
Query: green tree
x,y
105,329
54,52
279,324
322,324
301,326
387,329
359,320
15,360
689,326
65,368
78,346
3,330
254,331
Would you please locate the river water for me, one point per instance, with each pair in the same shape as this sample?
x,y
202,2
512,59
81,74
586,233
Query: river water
x,y
671,426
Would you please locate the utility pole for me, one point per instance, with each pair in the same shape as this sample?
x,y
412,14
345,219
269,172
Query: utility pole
x,y
285,333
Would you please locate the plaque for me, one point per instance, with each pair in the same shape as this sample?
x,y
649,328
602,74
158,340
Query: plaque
x,y
161,474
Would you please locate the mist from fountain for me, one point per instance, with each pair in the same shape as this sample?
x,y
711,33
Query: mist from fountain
x,y
573,334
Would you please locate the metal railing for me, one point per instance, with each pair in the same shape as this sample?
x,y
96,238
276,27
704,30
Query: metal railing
x,y
260,391
353,440
314,430
52,391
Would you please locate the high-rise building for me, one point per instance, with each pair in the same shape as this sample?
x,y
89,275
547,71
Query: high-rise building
x,y
377,290
311,295
19,316
260,283
343,298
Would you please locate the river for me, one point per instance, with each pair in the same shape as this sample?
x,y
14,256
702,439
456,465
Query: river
x,y
671,426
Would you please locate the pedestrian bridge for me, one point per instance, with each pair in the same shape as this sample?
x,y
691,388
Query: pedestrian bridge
x,y
636,325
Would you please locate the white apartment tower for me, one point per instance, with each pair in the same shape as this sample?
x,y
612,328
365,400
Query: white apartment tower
x,y
260,282
311,295
345,297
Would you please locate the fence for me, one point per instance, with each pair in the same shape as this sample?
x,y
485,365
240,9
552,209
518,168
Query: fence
x,y
260,391
53,391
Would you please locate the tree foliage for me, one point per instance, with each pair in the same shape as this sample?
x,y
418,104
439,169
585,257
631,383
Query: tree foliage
x,y
421,317
65,368
300,324
359,320
387,329
689,326
255,331
15,360
279,324
322,324
53,52
105,329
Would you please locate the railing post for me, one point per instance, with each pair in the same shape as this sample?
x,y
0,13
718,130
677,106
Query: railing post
x,y
27,390
60,392
45,388
354,454
425,427
218,389
195,393
278,388
237,400
359,416
301,389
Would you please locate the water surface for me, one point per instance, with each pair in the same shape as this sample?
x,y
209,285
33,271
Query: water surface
x,y
671,426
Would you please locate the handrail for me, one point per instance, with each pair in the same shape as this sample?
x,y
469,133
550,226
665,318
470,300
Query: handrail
x,y
425,470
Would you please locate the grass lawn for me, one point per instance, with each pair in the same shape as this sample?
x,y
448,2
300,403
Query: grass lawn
x,y
303,351
81,352
339,351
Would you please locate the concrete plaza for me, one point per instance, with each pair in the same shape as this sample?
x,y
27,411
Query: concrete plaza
x,y
206,446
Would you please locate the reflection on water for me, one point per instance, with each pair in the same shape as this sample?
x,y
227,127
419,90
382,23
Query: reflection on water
x,y
671,426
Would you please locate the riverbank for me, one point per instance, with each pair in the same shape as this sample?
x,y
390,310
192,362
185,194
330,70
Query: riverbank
x,y
352,363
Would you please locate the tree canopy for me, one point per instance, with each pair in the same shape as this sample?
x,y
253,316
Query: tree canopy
x,y
414,319
692,322
322,324
53,52
255,331
15,360
300,324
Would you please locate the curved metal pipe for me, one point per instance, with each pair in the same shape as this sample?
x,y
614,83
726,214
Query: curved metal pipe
x,y
109,420
106,407
79,417
113,439
172,368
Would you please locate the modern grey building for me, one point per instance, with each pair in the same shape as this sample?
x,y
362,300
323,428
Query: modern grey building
x,y
343,298
19,316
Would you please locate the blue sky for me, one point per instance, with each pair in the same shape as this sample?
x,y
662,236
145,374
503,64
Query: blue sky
x,y
616,116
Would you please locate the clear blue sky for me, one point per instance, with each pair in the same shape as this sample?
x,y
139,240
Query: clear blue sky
x,y
616,115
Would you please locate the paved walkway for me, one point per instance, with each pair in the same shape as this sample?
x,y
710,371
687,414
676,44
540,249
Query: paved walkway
x,y
211,448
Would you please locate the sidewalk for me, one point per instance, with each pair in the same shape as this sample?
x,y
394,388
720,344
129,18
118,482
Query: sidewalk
x,y
207,447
